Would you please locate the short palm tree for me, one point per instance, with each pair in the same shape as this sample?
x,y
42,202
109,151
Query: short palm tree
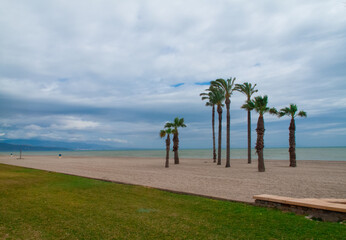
x,y
260,105
228,88
163,133
178,122
211,102
291,111
248,90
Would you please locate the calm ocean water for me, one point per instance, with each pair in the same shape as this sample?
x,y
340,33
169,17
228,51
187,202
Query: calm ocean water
x,y
331,154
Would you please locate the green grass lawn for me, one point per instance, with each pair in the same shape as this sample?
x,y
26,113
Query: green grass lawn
x,y
37,204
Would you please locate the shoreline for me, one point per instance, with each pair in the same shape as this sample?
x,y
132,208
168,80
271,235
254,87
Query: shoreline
x,y
311,179
324,154
254,160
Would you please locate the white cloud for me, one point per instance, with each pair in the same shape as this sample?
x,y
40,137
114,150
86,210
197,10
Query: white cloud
x,y
33,127
113,140
331,132
69,122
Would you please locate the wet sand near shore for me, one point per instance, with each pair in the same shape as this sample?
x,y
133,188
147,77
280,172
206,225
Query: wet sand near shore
x,y
311,179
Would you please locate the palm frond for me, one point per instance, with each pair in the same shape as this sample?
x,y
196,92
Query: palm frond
x,y
165,132
178,122
246,88
162,133
284,111
208,96
302,114
217,96
249,105
291,111
168,125
293,108
261,104
181,122
226,85
281,114
221,83
231,85
209,104
273,111
215,85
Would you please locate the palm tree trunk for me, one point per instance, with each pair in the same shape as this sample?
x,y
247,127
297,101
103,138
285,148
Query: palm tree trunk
x,y
248,136
228,144
292,142
175,147
260,143
219,110
213,127
168,143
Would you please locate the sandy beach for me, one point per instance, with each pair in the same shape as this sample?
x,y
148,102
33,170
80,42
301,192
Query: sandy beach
x,y
311,179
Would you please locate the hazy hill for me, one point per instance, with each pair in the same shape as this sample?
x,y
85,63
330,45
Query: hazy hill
x,y
14,147
58,145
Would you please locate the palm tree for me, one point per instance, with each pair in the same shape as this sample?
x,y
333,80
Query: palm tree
x,y
291,111
218,96
163,133
260,105
211,102
248,90
228,87
178,122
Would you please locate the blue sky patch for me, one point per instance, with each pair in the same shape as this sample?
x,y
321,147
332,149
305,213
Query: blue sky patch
x,y
177,85
202,83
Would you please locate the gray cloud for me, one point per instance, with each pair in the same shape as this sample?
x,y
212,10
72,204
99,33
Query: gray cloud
x,y
86,70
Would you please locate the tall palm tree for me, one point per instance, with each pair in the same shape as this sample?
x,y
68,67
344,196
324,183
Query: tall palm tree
x,y
163,133
211,102
218,96
178,122
291,111
228,87
248,90
260,105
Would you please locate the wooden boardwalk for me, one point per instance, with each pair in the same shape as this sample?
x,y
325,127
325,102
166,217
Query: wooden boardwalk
x,y
328,209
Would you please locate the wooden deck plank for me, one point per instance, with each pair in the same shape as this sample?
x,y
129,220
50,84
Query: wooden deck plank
x,y
336,205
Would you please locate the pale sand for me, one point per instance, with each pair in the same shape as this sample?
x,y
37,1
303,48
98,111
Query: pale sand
x,y
311,179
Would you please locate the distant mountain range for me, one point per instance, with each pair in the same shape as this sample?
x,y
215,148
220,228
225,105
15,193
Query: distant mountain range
x,y
13,147
43,145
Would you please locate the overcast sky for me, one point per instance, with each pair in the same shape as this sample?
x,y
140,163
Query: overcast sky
x,y
113,72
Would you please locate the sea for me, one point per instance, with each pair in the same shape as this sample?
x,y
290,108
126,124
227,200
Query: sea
x,y
327,154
